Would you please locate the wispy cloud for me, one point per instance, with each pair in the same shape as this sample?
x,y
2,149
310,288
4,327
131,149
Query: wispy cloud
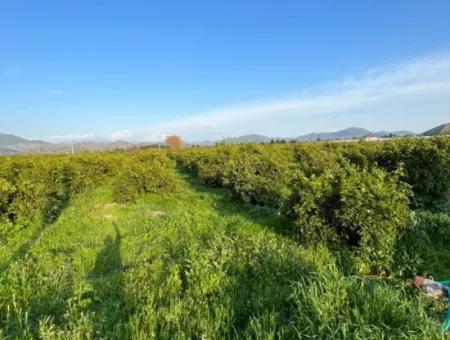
x,y
385,97
55,91
402,96
72,138
124,134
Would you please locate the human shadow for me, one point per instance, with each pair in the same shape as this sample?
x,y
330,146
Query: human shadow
x,y
108,301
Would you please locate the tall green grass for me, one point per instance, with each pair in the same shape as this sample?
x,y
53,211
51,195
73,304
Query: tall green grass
x,y
194,264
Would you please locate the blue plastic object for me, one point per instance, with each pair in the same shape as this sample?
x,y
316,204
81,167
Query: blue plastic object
x,y
446,283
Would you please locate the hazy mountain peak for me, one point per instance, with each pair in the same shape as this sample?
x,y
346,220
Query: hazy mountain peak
x,y
443,129
6,139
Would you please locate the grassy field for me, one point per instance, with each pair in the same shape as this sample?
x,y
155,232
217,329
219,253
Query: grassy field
x,y
191,264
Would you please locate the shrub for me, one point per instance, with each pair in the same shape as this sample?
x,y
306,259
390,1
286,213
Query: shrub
x,y
141,174
61,182
426,164
364,209
373,211
40,186
7,191
90,169
423,247
211,166
28,176
255,173
315,158
258,177
206,163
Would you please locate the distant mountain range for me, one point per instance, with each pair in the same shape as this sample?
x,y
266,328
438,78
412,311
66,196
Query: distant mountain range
x,y
10,144
346,134
11,140
246,139
14,140
351,133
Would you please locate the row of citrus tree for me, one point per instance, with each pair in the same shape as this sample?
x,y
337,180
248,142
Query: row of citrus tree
x,y
40,186
357,194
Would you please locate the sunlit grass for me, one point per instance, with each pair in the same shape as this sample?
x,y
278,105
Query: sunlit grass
x,y
193,264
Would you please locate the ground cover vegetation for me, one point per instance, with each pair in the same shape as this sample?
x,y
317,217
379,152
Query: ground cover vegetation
x,y
235,241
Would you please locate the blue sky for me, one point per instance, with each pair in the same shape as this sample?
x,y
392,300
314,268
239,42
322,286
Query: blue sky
x,y
139,70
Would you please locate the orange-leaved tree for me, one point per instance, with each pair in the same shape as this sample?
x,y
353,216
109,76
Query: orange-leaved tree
x,y
174,142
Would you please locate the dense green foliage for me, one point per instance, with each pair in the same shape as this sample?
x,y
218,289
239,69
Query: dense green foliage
x,y
144,173
254,173
272,241
426,165
42,185
39,187
207,267
352,193
424,247
364,209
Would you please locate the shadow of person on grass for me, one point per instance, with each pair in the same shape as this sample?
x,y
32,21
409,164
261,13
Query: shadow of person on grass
x,y
110,315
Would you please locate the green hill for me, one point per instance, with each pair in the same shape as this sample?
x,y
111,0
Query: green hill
x,y
11,140
443,129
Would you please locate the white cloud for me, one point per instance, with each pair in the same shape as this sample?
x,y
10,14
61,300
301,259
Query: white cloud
x,y
419,87
124,134
55,91
414,95
72,138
